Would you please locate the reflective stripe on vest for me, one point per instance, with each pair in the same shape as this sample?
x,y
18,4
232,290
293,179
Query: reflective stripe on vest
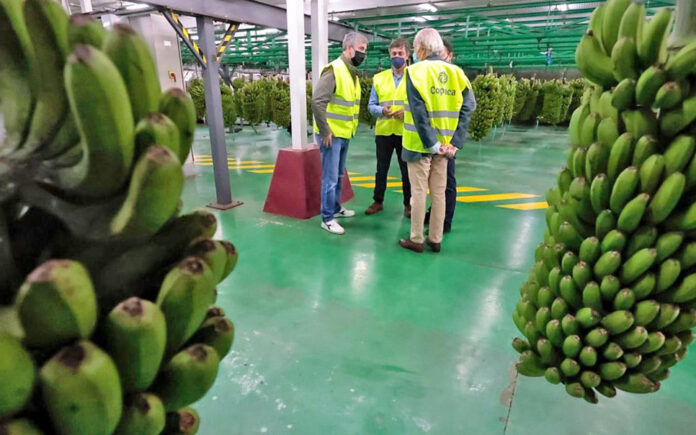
x,y
389,95
343,110
440,85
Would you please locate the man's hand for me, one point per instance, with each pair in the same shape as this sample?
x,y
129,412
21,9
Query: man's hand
x,y
452,151
326,140
399,114
386,112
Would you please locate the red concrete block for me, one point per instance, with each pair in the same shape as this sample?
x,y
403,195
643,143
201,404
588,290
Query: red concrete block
x,y
295,189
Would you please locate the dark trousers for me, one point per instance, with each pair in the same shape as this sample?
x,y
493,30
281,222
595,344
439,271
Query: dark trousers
x,y
386,145
450,195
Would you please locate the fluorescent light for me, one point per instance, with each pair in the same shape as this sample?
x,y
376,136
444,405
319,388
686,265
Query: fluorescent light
x,y
428,7
563,7
334,18
420,19
137,6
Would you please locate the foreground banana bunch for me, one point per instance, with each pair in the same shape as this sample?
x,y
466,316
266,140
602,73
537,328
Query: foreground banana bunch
x,y
611,301
107,322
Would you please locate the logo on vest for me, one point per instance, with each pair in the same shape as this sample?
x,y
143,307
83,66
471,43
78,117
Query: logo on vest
x,y
443,77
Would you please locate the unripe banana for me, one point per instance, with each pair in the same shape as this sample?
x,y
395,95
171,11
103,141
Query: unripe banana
x,y
80,390
624,300
218,333
643,237
620,156
676,120
668,96
156,129
187,376
17,76
47,23
57,304
682,63
686,291
637,264
553,375
596,25
667,244
606,221
19,427
84,29
632,21
612,371
107,135
606,390
624,188
609,287
133,59
577,120
153,194
666,198
18,374
624,95
186,293
652,41
624,56
613,15
214,254
645,312
651,173
618,322
569,367
520,345
612,352
644,286
615,240
232,258
177,105
135,335
632,213
636,383
678,154
645,147
184,421
593,62
640,122
143,414
649,83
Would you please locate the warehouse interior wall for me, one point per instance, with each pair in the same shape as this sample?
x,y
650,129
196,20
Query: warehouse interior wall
x,y
164,44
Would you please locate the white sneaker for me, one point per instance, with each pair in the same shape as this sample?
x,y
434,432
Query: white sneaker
x,y
345,213
333,227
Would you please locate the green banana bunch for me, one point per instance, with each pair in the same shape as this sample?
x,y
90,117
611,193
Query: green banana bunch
x,y
488,91
614,306
101,278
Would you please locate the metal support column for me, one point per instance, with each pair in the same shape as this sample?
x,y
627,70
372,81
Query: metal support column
x,y
229,34
320,37
298,73
213,104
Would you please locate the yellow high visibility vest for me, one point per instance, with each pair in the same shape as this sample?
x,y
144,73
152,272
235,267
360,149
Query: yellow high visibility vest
x,y
389,95
343,109
440,84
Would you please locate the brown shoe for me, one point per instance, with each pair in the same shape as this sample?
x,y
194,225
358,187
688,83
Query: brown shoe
x,y
407,211
410,244
436,247
375,207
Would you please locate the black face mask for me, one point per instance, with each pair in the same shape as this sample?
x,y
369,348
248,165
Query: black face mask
x,y
358,58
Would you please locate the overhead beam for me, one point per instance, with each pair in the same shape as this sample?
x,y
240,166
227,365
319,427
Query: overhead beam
x,y
245,11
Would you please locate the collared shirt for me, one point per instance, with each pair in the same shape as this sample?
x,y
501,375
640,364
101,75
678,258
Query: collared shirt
x,y
323,92
373,105
421,120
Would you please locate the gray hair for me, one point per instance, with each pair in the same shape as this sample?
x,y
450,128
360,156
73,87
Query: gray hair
x,y
429,41
353,39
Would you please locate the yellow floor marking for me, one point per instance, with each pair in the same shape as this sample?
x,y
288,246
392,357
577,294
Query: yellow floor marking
x,y
369,178
234,161
526,206
494,197
353,173
263,171
464,189
372,185
235,166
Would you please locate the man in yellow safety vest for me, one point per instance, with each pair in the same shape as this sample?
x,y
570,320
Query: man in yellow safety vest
x,y
335,106
437,114
387,105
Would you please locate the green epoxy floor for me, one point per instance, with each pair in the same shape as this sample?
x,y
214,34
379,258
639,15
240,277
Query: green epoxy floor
x,y
354,335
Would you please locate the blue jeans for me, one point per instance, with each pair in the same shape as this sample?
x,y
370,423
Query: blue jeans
x,y
333,169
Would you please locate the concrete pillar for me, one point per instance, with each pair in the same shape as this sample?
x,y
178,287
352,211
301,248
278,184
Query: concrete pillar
x,y
320,37
298,73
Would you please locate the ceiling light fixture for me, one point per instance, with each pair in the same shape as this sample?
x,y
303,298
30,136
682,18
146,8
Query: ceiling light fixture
x,y
563,7
428,7
137,6
420,19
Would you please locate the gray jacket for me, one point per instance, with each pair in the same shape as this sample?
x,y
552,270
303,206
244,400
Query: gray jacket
x,y
322,93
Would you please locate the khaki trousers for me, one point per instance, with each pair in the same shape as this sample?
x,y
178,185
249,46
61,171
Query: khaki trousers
x,y
428,172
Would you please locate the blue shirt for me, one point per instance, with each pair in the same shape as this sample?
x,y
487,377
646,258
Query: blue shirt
x,y
373,105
